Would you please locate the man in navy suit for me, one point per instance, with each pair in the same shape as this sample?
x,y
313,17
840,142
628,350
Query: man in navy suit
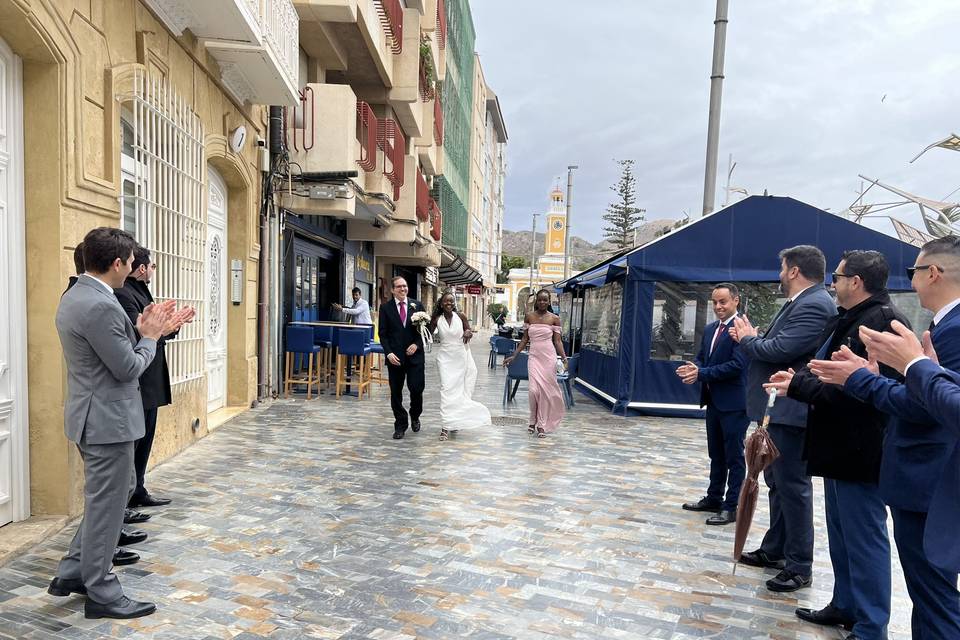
x,y
721,368
792,339
919,473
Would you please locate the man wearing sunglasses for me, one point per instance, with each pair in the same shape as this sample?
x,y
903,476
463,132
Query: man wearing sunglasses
x,y
920,450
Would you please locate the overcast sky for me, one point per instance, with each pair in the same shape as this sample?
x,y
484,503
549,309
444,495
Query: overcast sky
x,y
815,93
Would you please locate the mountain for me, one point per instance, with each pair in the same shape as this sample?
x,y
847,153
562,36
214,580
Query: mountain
x,y
583,253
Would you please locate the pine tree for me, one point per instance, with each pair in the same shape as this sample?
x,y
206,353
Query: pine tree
x,y
622,216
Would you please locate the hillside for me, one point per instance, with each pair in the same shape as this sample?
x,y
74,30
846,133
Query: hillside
x,y
582,252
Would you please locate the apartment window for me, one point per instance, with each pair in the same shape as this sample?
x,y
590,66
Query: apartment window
x,y
163,204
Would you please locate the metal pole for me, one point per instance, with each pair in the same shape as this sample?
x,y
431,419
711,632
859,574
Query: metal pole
x,y
730,166
533,252
566,229
716,90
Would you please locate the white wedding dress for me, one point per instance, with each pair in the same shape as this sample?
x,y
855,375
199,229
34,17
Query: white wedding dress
x,y
458,377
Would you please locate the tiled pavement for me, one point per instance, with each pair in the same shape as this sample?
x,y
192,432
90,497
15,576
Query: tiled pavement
x,y
305,520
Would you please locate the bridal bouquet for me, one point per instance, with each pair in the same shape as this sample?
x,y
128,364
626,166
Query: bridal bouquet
x,y
421,320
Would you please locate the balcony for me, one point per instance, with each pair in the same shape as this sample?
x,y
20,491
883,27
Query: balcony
x,y
255,42
331,132
405,94
436,220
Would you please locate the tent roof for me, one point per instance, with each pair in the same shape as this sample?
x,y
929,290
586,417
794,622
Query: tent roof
x,y
741,242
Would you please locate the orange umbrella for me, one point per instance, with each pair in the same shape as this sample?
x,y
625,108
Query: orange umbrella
x,y
759,453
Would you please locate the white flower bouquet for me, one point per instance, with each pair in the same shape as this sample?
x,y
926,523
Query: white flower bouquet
x,y
421,320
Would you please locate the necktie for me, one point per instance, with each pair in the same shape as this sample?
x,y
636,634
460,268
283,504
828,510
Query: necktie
x,y
403,313
720,330
932,325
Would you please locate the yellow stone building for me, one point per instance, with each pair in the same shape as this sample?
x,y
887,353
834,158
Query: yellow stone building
x,y
549,269
141,115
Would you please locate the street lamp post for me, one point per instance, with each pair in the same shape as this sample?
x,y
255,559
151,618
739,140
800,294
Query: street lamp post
x,y
713,121
566,228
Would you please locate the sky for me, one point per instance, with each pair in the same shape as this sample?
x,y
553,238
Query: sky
x,y
815,93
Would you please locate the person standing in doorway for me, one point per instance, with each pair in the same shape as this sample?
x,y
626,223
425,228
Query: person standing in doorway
x,y
403,345
359,311
721,370
134,297
792,339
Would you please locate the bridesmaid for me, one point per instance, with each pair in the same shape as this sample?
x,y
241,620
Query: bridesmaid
x,y
543,335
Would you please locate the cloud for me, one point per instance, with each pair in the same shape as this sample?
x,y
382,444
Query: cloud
x,y
803,99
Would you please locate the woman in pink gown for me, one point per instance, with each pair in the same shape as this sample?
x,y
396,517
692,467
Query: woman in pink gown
x,y
543,335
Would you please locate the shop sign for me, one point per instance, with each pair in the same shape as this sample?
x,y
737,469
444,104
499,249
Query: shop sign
x,y
363,268
431,275
475,289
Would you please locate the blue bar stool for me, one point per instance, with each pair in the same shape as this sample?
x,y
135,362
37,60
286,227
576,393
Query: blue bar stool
x,y
300,342
323,338
568,377
352,345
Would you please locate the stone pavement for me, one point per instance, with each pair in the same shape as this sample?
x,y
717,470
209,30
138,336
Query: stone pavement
x,y
306,520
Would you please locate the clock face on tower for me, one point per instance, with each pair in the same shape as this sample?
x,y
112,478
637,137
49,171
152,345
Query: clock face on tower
x,y
558,224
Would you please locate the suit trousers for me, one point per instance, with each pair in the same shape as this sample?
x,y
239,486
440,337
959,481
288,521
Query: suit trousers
x,y
933,591
108,483
725,433
141,451
790,535
860,555
413,375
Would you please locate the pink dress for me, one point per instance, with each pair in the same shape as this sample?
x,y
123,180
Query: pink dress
x,y
546,399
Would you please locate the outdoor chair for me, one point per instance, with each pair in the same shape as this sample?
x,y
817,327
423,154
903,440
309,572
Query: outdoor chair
x,y
500,347
353,365
323,338
516,371
300,343
568,377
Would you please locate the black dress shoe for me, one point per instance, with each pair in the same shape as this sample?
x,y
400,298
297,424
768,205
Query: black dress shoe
x,y
147,500
123,557
829,616
135,517
724,517
131,536
759,558
65,586
704,504
415,426
398,435
123,608
786,581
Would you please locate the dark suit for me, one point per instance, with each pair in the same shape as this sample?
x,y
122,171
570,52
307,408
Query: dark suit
x,y
792,339
395,337
722,375
844,438
915,475
154,382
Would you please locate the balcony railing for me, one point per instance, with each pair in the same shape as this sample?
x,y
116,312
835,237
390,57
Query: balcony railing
x,y
391,17
427,90
367,128
441,24
436,220
281,30
302,119
437,119
391,141
423,198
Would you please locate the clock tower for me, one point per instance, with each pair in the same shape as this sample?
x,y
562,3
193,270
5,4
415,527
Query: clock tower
x,y
556,224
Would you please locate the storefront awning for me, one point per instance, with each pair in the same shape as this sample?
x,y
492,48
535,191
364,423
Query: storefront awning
x,y
453,270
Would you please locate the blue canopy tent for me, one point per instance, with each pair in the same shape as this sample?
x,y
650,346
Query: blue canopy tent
x,y
626,356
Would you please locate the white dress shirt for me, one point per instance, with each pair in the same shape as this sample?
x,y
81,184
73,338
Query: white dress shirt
x,y
100,282
360,312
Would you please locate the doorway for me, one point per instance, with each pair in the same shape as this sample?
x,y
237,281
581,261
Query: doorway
x,y
217,288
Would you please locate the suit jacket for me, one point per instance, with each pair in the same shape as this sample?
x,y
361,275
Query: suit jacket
x,y
844,439
723,372
396,337
918,444
791,341
939,390
104,361
155,381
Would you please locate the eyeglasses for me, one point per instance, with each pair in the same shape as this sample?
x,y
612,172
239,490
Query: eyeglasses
x,y
844,275
919,267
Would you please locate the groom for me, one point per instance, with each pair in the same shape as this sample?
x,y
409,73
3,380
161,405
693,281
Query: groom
x,y
404,348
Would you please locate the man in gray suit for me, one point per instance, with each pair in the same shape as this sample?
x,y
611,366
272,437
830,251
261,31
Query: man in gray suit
x,y
792,339
103,415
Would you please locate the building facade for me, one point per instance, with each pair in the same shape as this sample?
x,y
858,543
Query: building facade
x,y
522,284
140,115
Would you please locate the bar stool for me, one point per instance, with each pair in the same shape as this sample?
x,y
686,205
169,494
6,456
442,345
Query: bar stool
x,y
300,342
323,338
352,347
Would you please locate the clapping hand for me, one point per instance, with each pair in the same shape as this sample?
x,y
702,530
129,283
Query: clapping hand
x,y
841,366
153,319
780,381
742,328
897,349
178,318
688,372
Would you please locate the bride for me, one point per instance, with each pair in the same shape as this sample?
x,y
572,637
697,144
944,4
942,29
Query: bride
x,y
458,371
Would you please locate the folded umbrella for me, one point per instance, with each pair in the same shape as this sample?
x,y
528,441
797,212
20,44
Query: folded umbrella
x,y
759,452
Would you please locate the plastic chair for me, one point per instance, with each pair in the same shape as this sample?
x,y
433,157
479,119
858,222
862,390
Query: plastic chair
x,y
516,371
300,342
352,345
567,378
501,347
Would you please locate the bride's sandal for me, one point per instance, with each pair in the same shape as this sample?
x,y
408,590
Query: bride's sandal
x,y
531,429
444,434
541,433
